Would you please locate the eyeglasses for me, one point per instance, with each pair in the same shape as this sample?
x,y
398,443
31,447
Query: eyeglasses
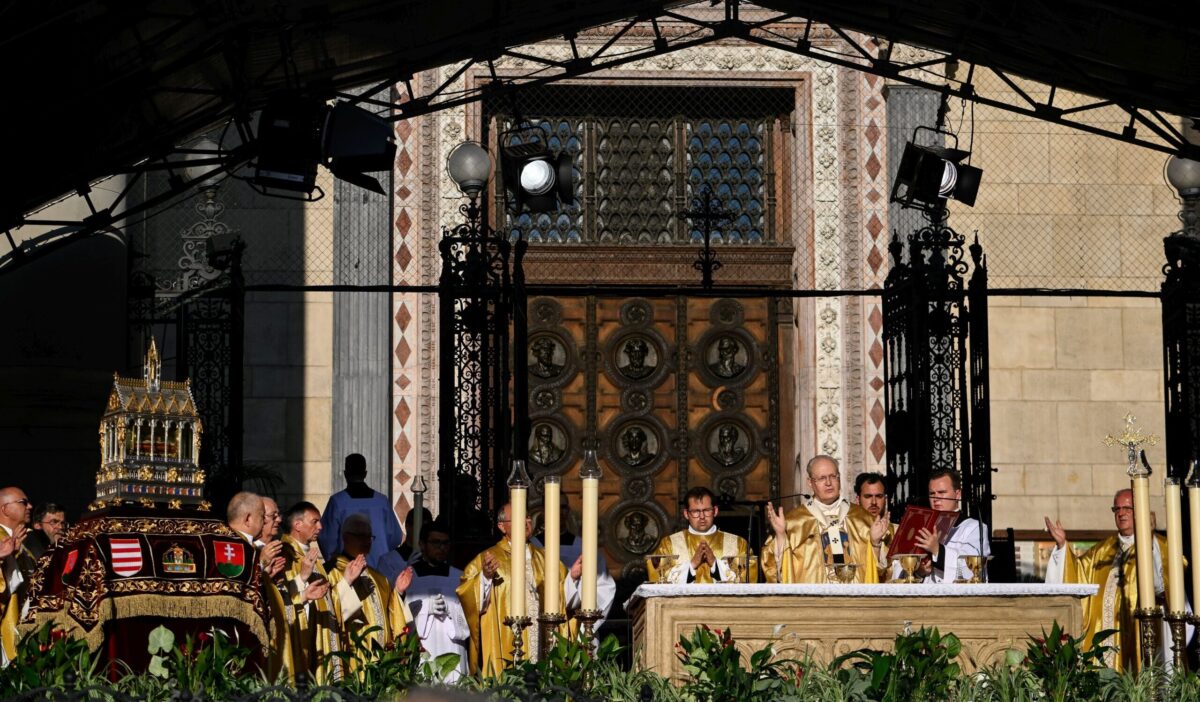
x,y
22,501
826,479
701,512
1122,508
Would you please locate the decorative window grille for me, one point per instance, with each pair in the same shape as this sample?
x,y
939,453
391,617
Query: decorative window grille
x,y
642,153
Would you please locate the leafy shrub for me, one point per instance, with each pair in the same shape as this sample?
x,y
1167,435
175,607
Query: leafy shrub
x,y
921,666
1064,670
50,658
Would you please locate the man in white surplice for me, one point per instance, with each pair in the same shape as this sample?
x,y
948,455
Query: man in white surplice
x,y
967,538
437,614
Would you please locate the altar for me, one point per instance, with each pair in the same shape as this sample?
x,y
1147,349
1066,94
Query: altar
x,y
825,621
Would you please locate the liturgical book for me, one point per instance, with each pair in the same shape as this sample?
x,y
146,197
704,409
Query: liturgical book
x,y
915,519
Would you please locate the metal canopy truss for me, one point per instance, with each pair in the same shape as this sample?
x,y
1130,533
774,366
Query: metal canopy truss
x,y
672,31
665,27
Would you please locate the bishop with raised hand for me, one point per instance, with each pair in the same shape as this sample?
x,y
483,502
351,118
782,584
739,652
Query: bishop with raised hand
x,y
828,531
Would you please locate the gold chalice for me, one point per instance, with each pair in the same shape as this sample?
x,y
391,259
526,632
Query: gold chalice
x,y
844,572
736,565
659,565
975,564
909,562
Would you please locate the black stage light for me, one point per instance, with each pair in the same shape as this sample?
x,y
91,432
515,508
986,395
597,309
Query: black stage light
x,y
535,178
357,142
289,144
930,175
295,134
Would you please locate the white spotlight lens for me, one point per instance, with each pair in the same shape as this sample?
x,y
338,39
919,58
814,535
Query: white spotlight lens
x,y
949,180
537,177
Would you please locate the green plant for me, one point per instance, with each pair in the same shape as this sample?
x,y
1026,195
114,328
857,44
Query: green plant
x,y
921,666
375,670
49,658
1181,686
1065,671
1134,687
713,665
1007,682
207,663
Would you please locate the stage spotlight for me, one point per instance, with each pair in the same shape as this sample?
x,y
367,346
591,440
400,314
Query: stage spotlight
x,y
535,178
296,134
357,142
289,145
930,175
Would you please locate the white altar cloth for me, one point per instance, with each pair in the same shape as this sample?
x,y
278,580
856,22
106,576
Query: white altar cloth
x,y
648,590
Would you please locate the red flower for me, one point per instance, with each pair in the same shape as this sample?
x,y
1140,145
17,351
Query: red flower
x,y
406,630
57,635
204,637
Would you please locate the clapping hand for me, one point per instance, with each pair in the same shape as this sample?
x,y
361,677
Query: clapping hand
x,y
879,528
8,546
308,563
316,589
437,606
275,567
404,580
577,569
355,568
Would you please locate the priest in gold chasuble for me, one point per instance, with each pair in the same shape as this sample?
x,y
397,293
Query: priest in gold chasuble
x,y
382,607
701,548
809,540
1111,564
484,594
319,606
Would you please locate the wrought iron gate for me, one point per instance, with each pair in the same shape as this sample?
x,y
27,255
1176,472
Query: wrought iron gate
x,y
935,366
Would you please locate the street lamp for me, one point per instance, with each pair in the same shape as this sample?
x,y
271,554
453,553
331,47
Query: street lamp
x,y
469,165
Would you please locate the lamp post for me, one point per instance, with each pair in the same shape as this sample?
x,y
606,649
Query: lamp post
x,y
1180,312
475,300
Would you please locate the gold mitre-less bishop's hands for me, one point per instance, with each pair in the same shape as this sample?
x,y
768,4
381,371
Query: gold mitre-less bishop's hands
x,y
1056,530
778,521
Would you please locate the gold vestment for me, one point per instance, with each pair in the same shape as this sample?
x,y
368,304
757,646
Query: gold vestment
x,y
684,544
381,606
806,555
491,645
1113,606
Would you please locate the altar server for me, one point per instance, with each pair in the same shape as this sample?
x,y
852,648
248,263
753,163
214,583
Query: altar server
x,y
359,498
438,616
968,537
701,548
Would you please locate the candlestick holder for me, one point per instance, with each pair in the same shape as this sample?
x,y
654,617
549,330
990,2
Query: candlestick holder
x,y
587,621
1149,623
1178,622
547,625
518,624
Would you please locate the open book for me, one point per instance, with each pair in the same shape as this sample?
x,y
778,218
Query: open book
x,y
914,520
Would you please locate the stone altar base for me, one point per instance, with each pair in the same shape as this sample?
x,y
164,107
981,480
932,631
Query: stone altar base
x,y
825,621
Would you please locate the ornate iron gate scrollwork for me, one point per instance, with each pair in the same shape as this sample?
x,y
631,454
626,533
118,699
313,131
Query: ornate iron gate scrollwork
x,y
1181,347
936,403
475,429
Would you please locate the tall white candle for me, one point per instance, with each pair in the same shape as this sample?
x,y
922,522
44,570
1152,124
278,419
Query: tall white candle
x,y
589,474
516,584
1175,587
551,504
1143,542
1194,514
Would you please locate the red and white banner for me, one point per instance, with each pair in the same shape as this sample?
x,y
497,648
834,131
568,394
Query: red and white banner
x,y
126,556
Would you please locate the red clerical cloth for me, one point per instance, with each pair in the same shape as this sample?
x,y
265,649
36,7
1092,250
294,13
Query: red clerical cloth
x,y
915,519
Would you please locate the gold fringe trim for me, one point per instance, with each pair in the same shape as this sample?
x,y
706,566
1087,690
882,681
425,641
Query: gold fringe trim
x,y
164,606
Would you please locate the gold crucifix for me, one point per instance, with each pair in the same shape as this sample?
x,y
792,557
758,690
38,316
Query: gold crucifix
x,y
1132,439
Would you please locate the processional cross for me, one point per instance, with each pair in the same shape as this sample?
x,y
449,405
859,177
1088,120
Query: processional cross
x,y
708,211
1132,439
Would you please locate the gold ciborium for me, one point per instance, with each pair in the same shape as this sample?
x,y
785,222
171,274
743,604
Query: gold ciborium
x,y
658,567
976,565
844,572
909,562
737,566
